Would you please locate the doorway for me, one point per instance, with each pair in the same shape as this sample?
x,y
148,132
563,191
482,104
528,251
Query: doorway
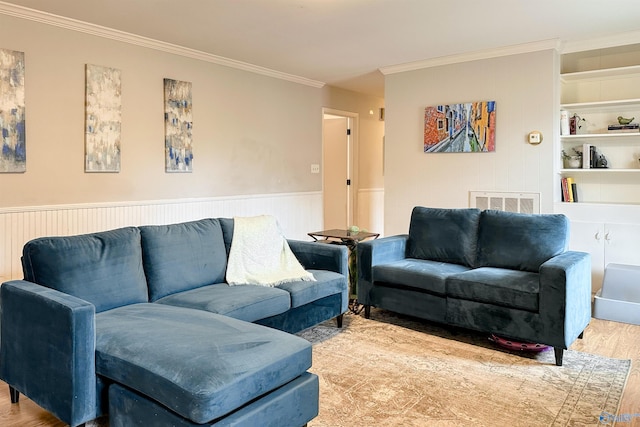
x,y
339,137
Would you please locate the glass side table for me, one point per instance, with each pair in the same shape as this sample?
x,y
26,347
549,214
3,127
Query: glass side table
x,y
350,239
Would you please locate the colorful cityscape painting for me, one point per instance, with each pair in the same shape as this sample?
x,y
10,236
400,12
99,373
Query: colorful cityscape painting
x,y
178,124
460,128
103,119
13,154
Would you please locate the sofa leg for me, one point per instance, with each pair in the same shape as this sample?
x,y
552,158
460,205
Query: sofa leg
x,y
15,395
339,320
367,311
558,351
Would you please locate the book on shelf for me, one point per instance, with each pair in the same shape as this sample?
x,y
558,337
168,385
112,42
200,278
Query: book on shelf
x,y
586,156
569,190
593,156
631,127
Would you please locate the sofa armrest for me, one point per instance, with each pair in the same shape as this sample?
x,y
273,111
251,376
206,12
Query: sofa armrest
x,y
565,297
47,349
318,256
374,252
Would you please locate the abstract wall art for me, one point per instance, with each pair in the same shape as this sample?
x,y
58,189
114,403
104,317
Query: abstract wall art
x,y
103,119
460,128
13,154
178,124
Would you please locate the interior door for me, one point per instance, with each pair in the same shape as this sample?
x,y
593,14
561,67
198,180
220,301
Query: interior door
x,y
335,146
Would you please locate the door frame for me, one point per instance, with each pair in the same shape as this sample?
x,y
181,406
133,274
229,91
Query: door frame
x,y
352,162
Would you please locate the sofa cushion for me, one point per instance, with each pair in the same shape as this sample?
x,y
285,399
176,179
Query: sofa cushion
x,y
520,241
249,302
420,274
447,235
199,364
497,286
304,291
102,268
184,256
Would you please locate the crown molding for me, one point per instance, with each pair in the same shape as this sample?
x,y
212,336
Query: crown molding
x,y
622,39
121,36
473,56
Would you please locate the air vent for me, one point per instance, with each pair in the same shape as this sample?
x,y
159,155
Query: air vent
x,y
505,201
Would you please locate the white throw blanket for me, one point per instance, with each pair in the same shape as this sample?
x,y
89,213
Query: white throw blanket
x,y
260,254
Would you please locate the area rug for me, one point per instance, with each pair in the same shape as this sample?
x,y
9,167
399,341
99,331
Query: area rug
x,y
392,370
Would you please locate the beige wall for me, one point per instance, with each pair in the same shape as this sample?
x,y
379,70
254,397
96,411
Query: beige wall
x,y
525,88
253,134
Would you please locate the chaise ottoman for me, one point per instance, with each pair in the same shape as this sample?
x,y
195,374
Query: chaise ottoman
x,y
175,366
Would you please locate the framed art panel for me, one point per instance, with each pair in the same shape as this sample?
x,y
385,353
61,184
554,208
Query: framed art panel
x,y
103,118
178,124
460,128
13,153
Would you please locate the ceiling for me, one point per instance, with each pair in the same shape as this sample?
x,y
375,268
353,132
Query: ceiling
x,y
345,43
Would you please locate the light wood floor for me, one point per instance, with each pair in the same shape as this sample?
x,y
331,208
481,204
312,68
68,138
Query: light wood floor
x,y
610,339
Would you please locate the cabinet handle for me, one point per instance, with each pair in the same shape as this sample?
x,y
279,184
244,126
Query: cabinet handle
x,y
597,236
606,237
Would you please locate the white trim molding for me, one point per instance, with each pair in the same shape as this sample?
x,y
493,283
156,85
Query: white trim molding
x,y
297,215
121,36
473,56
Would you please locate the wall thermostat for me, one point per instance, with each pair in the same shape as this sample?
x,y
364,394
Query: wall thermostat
x,y
535,137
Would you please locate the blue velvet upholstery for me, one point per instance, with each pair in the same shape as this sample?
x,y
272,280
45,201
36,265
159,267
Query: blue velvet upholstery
x,y
88,327
524,283
499,286
293,404
230,362
305,316
447,235
184,256
48,349
305,291
248,302
520,241
103,268
426,275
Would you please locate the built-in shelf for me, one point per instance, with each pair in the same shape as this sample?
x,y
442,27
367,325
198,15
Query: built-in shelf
x,y
601,74
621,135
598,170
601,105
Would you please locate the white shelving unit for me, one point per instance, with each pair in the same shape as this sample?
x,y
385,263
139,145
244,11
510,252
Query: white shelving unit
x,y
606,220
599,97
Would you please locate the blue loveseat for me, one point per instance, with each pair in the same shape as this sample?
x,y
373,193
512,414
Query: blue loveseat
x,y
503,273
139,323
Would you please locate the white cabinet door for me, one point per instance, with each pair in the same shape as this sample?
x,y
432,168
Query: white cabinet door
x,y
590,237
622,244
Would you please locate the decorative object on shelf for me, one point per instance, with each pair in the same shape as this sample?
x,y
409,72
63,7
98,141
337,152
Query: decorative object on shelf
x,y
602,163
13,155
575,124
460,128
178,124
103,119
564,122
572,161
623,121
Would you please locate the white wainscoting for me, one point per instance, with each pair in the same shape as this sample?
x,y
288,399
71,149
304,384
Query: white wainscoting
x,y
297,214
371,210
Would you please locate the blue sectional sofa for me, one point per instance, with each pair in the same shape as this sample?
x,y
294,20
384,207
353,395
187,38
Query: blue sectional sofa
x,y
139,323
503,273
